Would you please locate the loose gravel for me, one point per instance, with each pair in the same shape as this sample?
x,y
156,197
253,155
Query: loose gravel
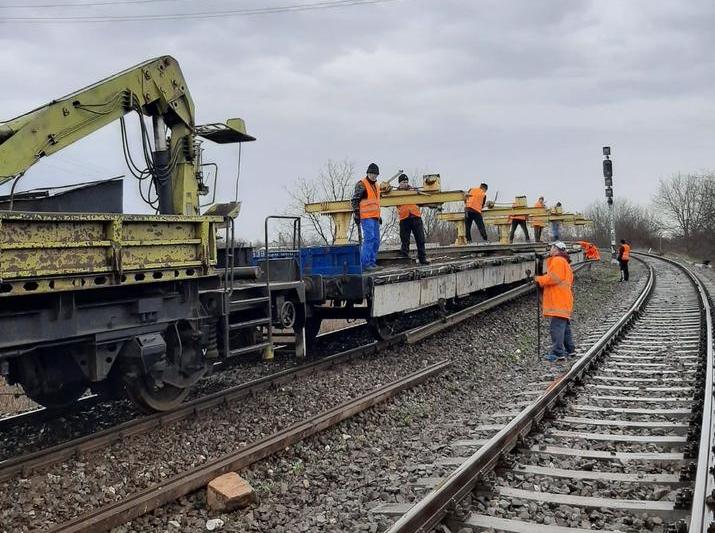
x,y
331,481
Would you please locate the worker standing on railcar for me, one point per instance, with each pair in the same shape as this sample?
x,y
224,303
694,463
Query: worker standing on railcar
x,y
411,223
366,210
557,285
624,255
474,202
556,226
518,221
538,222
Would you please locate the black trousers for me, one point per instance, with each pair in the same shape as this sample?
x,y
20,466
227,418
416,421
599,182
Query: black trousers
x,y
537,233
624,269
519,224
472,216
414,226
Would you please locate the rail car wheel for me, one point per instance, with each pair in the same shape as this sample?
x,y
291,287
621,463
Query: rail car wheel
x,y
382,328
51,380
312,327
149,395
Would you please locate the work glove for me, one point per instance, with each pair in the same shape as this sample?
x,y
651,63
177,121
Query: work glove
x,y
380,220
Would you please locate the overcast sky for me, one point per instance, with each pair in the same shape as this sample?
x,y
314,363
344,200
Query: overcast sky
x,y
520,94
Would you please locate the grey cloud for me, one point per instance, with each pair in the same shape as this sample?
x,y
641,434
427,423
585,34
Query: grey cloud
x,y
522,93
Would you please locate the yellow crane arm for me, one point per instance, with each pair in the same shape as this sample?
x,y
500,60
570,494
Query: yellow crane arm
x,y
155,88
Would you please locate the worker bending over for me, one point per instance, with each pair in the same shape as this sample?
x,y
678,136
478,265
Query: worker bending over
x,y
518,221
624,255
411,222
557,298
590,251
473,204
538,222
366,210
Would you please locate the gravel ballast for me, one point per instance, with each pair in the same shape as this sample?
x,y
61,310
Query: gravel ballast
x,y
331,481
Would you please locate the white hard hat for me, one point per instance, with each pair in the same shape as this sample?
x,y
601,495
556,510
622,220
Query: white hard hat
x,y
560,245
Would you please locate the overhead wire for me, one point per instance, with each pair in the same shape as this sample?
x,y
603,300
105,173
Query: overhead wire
x,y
292,8
88,4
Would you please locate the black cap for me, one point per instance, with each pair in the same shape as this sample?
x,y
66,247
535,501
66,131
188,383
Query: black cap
x,y
373,169
403,177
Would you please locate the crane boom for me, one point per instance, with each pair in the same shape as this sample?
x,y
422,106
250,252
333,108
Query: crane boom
x,y
154,88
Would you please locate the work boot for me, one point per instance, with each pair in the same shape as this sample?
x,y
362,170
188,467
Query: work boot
x,y
552,357
424,261
370,268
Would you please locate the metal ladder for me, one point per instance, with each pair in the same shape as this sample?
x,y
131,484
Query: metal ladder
x,y
295,248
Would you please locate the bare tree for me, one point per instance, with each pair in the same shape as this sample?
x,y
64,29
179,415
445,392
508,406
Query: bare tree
x,y
684,201
335,182
635,223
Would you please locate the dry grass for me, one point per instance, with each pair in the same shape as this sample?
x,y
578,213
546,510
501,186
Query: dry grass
x,y
13,400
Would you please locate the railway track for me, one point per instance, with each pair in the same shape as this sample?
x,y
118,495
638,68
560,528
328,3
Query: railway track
x,y
43,414
26,464
621,442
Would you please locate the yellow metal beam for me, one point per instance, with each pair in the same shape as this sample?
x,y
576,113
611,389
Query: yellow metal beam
x,y
341,210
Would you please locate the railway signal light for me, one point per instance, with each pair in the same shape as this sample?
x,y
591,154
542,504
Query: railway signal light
x,y
608,181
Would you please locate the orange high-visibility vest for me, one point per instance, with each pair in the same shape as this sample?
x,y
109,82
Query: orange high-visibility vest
x,y
408,210
557,283
516,217
370,206
626,252
475,199
538,222
590,251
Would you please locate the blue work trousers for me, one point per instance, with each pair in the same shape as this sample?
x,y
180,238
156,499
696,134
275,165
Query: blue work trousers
x,y
555,231
561,338
370,241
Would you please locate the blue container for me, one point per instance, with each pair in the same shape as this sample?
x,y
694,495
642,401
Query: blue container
x,y
334,260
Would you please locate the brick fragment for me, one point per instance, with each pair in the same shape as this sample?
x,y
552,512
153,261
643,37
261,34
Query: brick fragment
x,y
228,492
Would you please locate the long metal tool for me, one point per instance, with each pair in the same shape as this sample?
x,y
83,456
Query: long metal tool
x,y
142,502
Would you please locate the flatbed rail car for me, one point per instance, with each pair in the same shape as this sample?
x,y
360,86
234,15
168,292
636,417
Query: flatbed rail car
x,y
123,302
337,288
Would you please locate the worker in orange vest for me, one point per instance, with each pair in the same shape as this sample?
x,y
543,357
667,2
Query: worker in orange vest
x,y
518,221
590,251
557,297
411,222
538,222
624,255
366,210
474,202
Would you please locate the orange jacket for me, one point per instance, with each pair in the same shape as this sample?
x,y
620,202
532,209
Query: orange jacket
x,y
370,206
408,210
475,199
624,252
590,251
517,217
557,284
538,222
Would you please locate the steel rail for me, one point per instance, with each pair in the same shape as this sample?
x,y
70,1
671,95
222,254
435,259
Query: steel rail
x,y
428,512
43,414
28,463
142,502
702,515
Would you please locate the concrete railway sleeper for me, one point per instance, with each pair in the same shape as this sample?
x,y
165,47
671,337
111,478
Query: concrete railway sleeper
x,y
606,450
